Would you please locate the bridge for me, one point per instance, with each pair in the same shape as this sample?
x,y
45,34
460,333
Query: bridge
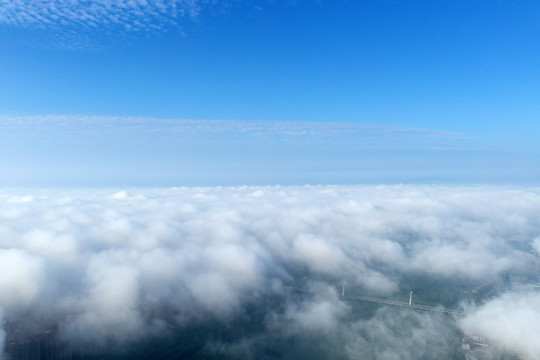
x,y
390,302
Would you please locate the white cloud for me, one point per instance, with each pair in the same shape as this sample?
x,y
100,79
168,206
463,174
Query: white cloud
x,y
110,263
322,314
510,322
128,14
132,151
54,126
21,279
109,308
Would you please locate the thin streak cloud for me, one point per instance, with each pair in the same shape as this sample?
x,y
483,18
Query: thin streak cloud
x,y
81,150
368,135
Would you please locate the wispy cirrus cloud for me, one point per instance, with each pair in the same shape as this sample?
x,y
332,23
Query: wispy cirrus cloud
x,y
364,135
106,150
131,15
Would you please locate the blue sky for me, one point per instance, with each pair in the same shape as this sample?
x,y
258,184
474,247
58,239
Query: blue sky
x,y
97,93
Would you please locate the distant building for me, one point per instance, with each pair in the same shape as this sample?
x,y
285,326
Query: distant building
x,y
44,346
476,347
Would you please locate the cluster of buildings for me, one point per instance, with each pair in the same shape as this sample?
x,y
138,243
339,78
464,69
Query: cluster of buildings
x,y
45,346
476,347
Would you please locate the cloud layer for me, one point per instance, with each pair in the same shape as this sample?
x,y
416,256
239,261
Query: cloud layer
x,y
372,136
511,322
118,266
64,150
135,15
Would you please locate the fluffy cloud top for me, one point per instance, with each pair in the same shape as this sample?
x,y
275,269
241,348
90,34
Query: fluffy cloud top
x,y
511,322
114,265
